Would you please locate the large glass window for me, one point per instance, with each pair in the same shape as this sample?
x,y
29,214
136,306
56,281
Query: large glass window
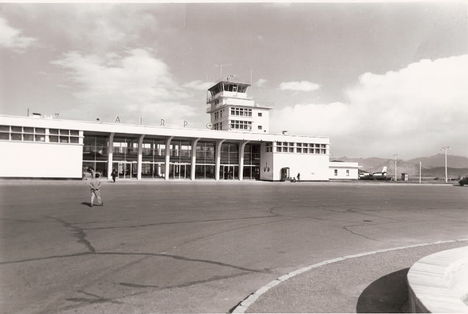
x,y
153,170
181,151
230,153
95,153
154,150
204,171
95,147
125,148
252,154
205,153
205,167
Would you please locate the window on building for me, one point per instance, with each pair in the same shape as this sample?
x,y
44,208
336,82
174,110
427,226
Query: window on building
x,y
299,147
259,114
4,132
31,134
241,125
347,172
335,172
259,127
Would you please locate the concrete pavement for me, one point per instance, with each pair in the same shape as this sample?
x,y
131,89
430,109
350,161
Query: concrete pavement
x,y
204,247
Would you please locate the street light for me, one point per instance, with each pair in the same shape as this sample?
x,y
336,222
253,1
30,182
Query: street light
x,y
445,149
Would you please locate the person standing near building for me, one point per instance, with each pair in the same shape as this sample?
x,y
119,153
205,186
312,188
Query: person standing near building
x,y
299,176
114,175
95,186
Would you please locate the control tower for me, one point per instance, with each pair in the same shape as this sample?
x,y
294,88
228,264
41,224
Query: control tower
x,y
232,110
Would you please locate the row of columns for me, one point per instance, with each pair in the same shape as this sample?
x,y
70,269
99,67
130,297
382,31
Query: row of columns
x,y
168,157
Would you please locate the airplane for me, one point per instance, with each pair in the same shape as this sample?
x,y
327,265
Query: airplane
x,y
382,175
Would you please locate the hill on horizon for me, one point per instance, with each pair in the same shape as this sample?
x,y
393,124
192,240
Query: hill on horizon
x,y
431,166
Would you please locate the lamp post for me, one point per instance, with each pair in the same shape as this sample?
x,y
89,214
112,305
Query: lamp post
x,y
420,168
396,159
445,149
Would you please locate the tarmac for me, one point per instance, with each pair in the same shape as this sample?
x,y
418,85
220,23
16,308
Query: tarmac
x,y
208,246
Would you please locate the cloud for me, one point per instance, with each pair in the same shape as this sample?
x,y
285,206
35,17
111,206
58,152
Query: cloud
x,y
132,85
91,27
412,111
302,86
11,37
199,85
261,82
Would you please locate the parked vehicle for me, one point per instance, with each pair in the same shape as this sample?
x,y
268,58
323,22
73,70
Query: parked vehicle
x,y
463,180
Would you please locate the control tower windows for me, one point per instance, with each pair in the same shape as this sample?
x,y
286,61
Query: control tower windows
x,y
245,112
242,125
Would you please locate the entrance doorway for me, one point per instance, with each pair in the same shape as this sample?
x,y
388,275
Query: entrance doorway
x,y
126,169
179,171
228,172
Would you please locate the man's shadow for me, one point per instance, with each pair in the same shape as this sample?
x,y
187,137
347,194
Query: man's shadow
x,y
388,294
86,204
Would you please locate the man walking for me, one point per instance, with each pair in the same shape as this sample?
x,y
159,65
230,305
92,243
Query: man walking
x,y
95,186
114,175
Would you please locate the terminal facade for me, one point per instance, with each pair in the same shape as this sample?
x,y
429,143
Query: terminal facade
x,y
237,147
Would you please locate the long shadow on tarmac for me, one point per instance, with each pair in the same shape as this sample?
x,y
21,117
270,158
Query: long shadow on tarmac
x,y
388,294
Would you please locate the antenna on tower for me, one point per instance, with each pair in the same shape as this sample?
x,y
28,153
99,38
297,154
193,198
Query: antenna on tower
x,y
221,65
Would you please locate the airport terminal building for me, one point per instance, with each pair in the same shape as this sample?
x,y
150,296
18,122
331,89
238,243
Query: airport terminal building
x,y
237,147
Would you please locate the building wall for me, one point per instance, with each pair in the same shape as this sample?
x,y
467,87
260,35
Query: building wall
x,y
311,167
41,160
264,120
266,164
344,171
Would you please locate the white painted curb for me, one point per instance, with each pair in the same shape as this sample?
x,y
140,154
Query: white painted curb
x,y
247,302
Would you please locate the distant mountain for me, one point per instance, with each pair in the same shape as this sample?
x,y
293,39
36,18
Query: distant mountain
x,y
439,161
433,166
440,172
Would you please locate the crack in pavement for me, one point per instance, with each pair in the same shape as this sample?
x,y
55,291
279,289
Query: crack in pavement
x,y
95,298
182,285
34,259
179,222
77,232
176,257
83,301
188,259
358,234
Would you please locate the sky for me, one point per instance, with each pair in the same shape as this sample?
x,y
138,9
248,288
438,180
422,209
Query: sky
x,y
378,79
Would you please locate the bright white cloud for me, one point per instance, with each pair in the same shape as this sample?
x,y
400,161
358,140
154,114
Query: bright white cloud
x,y
198,85
412,111
11,37
131,85
261,82
302,86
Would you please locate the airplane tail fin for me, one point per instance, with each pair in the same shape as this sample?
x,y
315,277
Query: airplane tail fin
x,y
384,169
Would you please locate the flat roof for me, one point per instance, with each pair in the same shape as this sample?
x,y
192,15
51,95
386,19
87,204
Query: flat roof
x,y
136,129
